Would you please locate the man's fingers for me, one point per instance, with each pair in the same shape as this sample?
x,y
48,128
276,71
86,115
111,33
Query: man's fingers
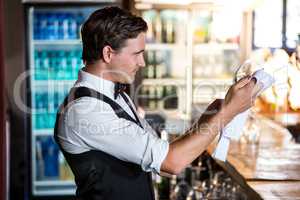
x,y
242,82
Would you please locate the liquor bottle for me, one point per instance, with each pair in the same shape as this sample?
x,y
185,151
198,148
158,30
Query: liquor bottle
x,y
159,65
170,32
152,98
145,69
158,28
144,96
174,101
149,17
168,28
163,186
151,67
159,93
170,96
182,188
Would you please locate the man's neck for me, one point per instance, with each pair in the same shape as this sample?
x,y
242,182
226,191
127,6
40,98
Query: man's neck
x,y
99,69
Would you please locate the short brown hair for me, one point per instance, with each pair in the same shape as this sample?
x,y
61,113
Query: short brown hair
x,y
108,26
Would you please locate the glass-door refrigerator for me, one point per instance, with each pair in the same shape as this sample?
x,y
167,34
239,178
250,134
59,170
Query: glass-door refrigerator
x,y
53,60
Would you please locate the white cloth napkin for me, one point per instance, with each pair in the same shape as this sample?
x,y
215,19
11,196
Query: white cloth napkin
x,y
234,128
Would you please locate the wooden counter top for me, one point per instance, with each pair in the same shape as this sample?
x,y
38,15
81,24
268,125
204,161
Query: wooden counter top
x,y
270,168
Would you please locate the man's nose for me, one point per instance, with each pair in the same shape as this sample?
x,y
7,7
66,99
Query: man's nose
x,y
141,62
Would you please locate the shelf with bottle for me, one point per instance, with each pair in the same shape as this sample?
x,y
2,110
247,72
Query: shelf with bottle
x,y
158,97
45,103
57,25
203,179
160,64
57,64
216,64
50,167
165,27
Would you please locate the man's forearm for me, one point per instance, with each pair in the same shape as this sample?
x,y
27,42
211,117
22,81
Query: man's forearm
x,y
189,146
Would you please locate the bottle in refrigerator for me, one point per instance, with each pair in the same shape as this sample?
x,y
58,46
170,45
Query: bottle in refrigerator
x,y
37,65
151,64
170,97
159,93
45,65
168,26
160,67
65,172
152,98
50,157
158,28
72,27
39,161
149,17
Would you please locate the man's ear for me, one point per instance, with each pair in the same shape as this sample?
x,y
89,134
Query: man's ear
x,y
107,52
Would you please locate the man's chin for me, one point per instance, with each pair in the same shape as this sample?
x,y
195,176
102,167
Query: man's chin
x,y
128,81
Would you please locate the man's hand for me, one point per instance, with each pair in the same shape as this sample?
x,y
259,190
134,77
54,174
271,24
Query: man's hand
x,y
240,96
185,149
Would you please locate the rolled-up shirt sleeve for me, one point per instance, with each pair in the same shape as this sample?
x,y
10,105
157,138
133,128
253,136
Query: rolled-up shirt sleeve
x,y
101,129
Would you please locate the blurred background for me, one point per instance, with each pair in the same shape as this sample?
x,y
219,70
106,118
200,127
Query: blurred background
x,y
194,51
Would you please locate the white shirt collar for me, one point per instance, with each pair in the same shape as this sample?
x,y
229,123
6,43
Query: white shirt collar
x,y
95,82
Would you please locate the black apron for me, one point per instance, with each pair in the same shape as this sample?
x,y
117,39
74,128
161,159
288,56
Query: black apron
x,y
98,175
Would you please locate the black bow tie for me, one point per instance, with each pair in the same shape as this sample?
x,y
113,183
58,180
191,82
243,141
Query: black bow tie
x,y
119,88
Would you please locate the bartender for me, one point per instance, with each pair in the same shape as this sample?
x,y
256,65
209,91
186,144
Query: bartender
x,y
110,149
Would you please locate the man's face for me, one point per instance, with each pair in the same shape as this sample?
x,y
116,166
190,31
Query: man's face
x,y
128,60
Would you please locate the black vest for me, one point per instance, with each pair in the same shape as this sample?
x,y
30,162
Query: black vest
x,y
98,175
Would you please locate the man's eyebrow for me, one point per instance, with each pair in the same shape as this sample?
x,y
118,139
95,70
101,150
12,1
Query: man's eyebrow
x,y
138,52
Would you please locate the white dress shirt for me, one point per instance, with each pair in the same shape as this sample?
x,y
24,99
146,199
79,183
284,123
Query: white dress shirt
x,y
91,124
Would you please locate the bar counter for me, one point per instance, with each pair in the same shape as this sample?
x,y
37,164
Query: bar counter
x,y
269,169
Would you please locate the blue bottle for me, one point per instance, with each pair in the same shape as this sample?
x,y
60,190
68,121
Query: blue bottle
x,y
40,109
39,160
44,65
50,155
36,26
56,100
65,26
37,64
50,98
45,26
55,26
63,65
60,18
79,21
52,62
50,26
72,27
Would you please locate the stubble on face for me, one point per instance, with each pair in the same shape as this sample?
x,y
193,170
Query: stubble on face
x,y
128,60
